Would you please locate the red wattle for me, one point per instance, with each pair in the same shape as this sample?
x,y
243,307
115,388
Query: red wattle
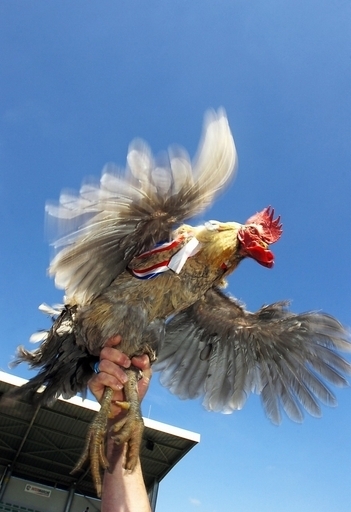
x,y
261,255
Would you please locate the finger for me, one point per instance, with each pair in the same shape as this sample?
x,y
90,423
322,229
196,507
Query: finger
x,y
98,390
107,367
115,356
141,362
99,382
113,341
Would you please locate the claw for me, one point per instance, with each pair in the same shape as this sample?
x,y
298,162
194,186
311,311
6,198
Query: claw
x,y
123,405
128,429
94,447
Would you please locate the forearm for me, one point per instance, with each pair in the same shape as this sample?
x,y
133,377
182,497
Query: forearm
x,y
123,491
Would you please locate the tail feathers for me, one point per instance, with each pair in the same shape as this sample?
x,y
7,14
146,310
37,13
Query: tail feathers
x,y
64,367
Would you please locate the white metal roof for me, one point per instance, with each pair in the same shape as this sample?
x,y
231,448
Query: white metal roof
x,y
43,444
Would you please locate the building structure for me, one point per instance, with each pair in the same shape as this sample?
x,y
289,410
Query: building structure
x,y
40,445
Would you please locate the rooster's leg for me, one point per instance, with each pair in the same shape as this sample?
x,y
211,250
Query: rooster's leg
x,y
95,442
130,429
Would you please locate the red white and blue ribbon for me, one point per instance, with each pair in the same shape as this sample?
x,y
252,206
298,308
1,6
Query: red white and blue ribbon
x,y
160,247
175,262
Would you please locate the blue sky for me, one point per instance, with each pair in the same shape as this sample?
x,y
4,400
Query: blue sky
x,y
80,80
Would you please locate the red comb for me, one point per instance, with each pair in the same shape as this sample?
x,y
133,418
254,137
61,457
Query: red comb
x,y
272,228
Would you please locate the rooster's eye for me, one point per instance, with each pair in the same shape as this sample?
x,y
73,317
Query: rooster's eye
x,y
253,231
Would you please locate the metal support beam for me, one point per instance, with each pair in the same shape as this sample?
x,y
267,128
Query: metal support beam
x,y
8,474
24,439
6,477
70,497
152,494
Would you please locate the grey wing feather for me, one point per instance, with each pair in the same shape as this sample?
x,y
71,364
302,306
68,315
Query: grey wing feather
x,y
106,225
218,350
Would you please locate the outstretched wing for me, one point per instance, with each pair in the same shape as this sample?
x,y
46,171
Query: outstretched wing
x,y
217,349
108,224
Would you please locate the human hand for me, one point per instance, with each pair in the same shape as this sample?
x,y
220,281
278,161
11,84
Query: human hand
x,y
111,373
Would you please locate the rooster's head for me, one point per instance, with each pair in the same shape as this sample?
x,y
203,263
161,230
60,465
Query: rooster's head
x,y
257,233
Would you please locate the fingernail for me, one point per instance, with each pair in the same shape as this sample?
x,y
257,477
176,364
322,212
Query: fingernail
x,y
127,363
123,378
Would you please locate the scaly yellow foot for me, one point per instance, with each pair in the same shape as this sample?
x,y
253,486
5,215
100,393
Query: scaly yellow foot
x,y
127,430
130,428
95,442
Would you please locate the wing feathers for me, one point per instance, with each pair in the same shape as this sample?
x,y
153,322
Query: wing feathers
x,y
182,372
284,357
217,387
99,231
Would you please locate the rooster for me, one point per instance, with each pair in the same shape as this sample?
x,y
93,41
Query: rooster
x,y
129,266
